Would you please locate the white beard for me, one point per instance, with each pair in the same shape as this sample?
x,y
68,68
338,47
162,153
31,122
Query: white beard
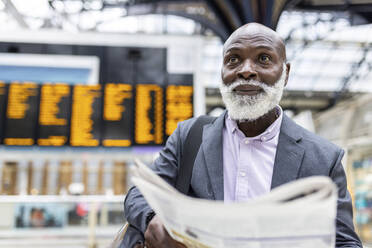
x,y
243,107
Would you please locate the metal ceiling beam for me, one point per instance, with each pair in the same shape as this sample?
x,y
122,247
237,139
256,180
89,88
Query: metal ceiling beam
x,y
231,12
247,10
220,15
366,8
267,11
347,81
216,28
237,5
11,9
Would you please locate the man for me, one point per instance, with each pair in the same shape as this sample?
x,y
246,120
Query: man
x,y
251,148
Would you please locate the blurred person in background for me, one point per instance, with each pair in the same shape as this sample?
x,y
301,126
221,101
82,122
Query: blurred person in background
x,y
37,217
252,147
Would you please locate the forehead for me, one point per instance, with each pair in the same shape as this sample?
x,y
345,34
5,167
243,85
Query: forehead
x,y
249,40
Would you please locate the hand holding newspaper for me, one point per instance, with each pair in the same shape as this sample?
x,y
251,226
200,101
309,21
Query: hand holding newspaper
x,y
300,214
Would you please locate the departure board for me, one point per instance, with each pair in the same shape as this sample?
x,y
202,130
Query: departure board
x,y
117,115
3,91
54,115
178,105
86,116
22,113
110,115
148,129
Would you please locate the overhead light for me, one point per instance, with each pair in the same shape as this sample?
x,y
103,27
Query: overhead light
x,y
96,5
58,5
73,6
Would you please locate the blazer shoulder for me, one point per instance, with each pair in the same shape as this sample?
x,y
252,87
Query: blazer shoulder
x,y
319,141
318,149
320,155
307,138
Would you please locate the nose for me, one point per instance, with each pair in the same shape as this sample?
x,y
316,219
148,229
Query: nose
x,y
247,71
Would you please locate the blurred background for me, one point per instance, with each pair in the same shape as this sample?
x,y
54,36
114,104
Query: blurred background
x,y
86,86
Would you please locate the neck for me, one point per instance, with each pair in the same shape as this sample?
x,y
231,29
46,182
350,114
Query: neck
x,y
258,126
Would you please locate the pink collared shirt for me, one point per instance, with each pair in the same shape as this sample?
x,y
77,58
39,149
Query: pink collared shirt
x,y
248,162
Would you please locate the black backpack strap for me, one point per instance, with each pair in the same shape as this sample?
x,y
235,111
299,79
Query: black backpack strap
x,y
191,146
190,149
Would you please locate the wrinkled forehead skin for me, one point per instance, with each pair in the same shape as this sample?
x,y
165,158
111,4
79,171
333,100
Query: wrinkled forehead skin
x,y
258,34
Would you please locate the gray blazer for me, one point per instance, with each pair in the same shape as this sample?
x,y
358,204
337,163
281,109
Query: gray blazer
x,y
300,153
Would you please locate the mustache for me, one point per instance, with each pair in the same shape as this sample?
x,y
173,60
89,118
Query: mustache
x,y
230,88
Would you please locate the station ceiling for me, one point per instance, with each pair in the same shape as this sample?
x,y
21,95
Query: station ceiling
x,y
220,16
224,16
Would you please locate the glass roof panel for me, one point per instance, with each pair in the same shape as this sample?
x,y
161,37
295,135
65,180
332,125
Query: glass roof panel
x,y
299,83
328,58
324,83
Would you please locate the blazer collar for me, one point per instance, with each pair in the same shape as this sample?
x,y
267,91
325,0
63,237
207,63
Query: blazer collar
x,y
289,153
212,149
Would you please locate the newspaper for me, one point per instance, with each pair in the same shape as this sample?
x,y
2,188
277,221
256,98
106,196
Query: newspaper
x,y
300,214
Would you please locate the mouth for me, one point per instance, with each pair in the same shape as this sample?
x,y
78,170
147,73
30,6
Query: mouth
x,y
248,90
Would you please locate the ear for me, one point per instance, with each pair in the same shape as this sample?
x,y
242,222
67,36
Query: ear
x,y
222,73
288,66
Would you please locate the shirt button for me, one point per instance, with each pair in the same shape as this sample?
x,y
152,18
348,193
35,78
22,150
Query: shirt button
x,y
246,142
242,174
263,138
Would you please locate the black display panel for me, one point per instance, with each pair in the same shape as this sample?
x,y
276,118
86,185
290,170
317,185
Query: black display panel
x,y
54,115
117,115
135,65
149,112
22,114
86,116
3,94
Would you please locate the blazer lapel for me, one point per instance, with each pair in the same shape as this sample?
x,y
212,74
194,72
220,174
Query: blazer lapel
x,y
212,150
289,153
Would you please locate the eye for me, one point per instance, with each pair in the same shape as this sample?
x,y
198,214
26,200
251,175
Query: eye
x,y
232,60
264,58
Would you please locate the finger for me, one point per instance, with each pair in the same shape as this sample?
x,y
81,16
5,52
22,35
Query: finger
x,y
147,245
167,241
180,245
150,241
154,234
155,237
177,244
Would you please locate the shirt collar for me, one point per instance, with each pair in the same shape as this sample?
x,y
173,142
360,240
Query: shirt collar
x,y
268,134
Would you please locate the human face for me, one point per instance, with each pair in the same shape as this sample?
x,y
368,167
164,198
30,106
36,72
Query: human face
x,y
252,55
254,72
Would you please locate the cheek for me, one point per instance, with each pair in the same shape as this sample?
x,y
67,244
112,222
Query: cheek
x,y
271,76
227,75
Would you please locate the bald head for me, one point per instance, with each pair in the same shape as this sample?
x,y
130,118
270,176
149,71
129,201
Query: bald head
x,y
255,30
